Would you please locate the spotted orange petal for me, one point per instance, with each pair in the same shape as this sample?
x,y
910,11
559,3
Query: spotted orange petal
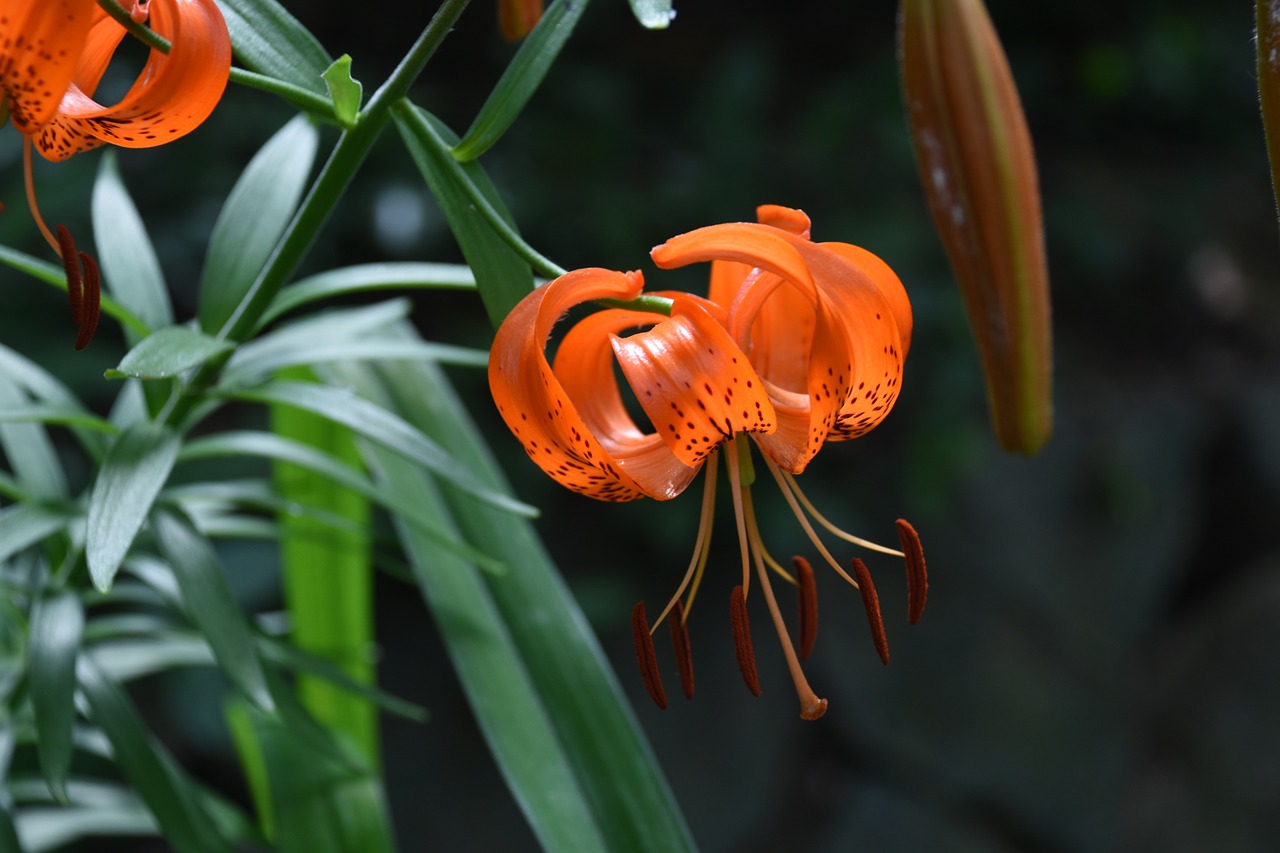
x,y
855,360
545,416
694,382
174,93
40,45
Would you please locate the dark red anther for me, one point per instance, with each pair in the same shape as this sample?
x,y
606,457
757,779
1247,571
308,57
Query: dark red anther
x,y
680,641
92,305
645,657
807,596
742,639
917,576
71,266
871,602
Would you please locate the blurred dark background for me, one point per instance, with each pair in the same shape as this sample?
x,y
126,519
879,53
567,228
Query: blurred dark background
x,y
1096,669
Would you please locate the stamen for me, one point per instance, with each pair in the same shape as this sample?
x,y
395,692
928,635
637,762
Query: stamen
x,y
811,707
917,576
787,493
742,640
71,266
835,531
701,544
92,301
871,602
684,656
807,596
735,483
29,182
645,657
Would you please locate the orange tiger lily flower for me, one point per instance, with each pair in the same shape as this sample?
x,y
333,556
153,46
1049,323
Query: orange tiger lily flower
x,y
797,344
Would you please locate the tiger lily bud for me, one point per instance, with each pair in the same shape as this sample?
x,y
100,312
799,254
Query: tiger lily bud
x,y
975,158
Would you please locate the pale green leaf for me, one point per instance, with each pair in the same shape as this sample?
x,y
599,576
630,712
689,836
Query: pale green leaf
x,y
269,40
168,352
23,525
130,269
57,622
253,219
132,474
366,277
653,14
211,605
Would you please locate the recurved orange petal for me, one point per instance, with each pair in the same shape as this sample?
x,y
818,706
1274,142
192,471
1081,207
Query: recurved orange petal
x,y
40,45
544,415
174,93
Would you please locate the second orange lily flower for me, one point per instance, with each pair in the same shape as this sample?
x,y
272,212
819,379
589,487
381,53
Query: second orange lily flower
x,y
798,343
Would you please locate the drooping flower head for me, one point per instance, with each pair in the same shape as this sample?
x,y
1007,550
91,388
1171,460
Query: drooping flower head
x,y
797,343
53,55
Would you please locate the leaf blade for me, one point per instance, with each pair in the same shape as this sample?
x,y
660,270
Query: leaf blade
x,y
168,352
57,625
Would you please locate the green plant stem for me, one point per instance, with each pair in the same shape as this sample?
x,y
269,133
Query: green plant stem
x,y
146,35
347,156
501,227
317,105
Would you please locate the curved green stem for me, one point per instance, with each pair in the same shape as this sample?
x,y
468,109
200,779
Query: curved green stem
x,y
146,35
317,105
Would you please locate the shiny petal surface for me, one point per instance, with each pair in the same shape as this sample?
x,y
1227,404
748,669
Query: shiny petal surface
x,y
171,97
695,384
854,364
40,45
541,413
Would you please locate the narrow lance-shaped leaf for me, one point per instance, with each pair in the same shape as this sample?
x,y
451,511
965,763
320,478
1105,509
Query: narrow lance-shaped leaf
x,y
169,794
610,758
211,605
521,79
253,218
501,274
653,14
28,449
1268,43
168,352
269,40
974,154
132,474
130,269
57,623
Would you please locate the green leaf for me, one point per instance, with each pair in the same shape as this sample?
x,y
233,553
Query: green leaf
x,y
169,794
288,655
345,90
43,386
129,265
211,605
60,415
168,352
366,277
25,524
57,622
521,79
502,275
48,829
610,757
28,449
269,40
377,424
653,14
269,446
339,324
253,219
132,474
516,724
318,351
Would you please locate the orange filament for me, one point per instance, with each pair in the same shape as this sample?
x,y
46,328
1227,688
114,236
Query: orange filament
x,y
684,655
735,483
871,602
821,519
92,301
807,596
917,576
742,640
701,546
645,657
30,185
